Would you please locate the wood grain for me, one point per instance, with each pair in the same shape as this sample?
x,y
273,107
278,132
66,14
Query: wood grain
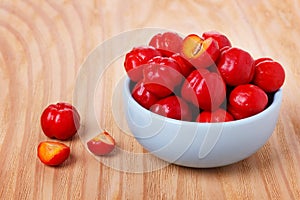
x,y
42,46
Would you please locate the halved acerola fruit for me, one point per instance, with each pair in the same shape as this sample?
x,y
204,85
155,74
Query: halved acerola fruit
x,y
53,153
102,144
201,53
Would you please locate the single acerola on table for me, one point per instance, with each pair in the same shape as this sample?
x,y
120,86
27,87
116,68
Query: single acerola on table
x,y
60,121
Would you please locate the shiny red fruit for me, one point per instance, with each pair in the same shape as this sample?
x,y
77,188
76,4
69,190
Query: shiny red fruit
x,y
246,100
172,107
53,153
224,49
204,89
135,60
269,75
167,43
161,76
185,66
236,66
259,60
221,39
143,96
219,115
60,121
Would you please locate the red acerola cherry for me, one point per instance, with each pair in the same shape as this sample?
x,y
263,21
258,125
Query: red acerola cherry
x,y
259,60
167,43
172,107
269,76
143,96
60,121
204,89
236,66
161,76
185,66
136,59
219,115
246,100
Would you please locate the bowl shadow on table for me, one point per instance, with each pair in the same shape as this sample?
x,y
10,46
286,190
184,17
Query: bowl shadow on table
x,y
262,160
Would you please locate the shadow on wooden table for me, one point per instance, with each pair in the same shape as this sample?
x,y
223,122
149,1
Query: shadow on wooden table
x,y
263,160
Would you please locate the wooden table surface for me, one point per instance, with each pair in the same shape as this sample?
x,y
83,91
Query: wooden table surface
x,y
42,46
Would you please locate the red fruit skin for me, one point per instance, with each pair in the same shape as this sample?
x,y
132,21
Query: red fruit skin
x,y
52,153
224,49
136,59
269,75
205,57
60,121
259,60
206,90
143,96
167,43
219,115
161,76
246,100
236,66
172,107
185,66
102,144
221,39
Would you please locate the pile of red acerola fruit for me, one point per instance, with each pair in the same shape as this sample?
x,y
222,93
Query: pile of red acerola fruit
x,y
201,78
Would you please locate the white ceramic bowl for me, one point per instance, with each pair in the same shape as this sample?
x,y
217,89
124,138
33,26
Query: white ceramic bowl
x,y
200,145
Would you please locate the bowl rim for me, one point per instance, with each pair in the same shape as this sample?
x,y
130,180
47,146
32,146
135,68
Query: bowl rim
x,y
275,103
